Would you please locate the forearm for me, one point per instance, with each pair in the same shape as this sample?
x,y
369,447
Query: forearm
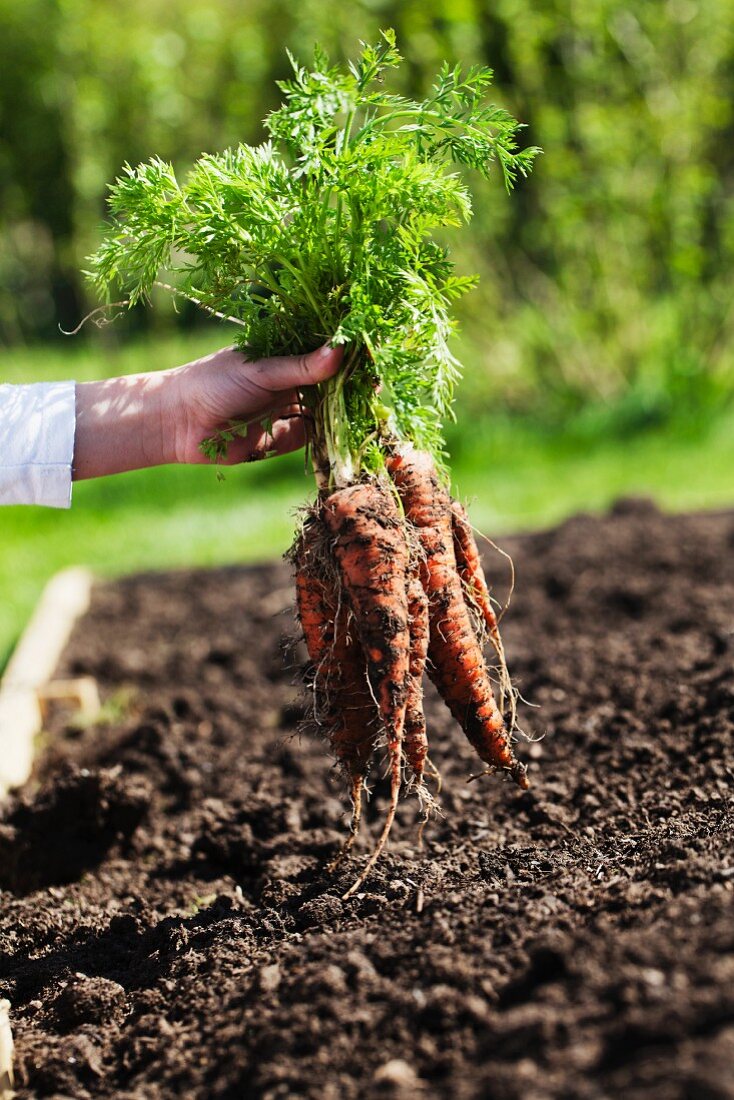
x,y
53,433
123,424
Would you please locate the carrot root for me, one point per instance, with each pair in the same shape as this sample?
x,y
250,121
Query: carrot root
x,y
371,551
476,593
342,703
383,596
416,739
357,789
456,662
395,783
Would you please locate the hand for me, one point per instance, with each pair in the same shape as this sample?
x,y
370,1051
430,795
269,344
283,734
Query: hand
x,y
151,419
224,387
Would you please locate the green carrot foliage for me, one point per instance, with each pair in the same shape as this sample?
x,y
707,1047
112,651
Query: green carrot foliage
x,y
326,232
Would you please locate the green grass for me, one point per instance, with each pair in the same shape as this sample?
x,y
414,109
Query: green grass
x,y
517,476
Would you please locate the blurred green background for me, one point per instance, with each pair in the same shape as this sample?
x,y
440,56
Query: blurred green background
x,y
598,349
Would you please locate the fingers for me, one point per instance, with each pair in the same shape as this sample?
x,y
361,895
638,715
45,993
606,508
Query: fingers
x,y
267,403
226,386
286,436
286,433
296,371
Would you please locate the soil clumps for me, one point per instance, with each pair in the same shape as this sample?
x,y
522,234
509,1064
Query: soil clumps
x,y
167,925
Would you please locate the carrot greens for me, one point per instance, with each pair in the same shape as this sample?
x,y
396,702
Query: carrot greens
x,y
326,232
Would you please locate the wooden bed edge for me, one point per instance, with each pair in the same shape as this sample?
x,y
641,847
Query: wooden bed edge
x,y
24,685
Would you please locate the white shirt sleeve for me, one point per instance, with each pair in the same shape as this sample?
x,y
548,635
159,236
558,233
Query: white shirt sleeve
x,y
37,425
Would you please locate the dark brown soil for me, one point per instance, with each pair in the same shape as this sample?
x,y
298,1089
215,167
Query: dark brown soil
x,y
167,928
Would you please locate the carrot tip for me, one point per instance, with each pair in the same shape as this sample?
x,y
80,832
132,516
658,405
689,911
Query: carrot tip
x,y
519,773
353,828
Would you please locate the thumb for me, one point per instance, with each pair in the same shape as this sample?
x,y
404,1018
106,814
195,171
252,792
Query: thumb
x,y
293,372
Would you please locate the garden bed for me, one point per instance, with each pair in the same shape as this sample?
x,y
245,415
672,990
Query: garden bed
x,y
166,925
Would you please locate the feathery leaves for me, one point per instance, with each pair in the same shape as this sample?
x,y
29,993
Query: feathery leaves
x,y
325,233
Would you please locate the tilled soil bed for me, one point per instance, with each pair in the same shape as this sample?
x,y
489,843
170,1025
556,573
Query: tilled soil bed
x,y
167,927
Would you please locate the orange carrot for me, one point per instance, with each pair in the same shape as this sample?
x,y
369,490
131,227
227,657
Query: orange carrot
x,y
371,551
471,572
343,701
456,663
469,565
416,740
354,730
315,606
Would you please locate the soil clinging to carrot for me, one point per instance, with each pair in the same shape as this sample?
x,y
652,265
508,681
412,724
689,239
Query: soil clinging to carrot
x,y
574,940
382,595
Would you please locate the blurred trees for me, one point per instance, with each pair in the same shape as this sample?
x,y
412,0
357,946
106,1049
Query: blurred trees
x,y
607,273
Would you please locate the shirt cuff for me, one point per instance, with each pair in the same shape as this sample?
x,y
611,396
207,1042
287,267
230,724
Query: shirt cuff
x,y
37,425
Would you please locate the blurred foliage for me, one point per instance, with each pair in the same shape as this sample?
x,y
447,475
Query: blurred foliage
x,y
605,278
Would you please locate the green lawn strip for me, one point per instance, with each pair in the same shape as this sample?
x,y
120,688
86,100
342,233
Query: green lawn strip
x,y
155,519
516,479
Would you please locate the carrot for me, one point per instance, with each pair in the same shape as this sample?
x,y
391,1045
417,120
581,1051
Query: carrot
x,y
416,740
371,551
471,572
315,606
354,730
469,565
456,663
343,702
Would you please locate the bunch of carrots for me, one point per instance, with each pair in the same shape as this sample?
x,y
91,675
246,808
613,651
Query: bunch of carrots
x,y
389,583
327,232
